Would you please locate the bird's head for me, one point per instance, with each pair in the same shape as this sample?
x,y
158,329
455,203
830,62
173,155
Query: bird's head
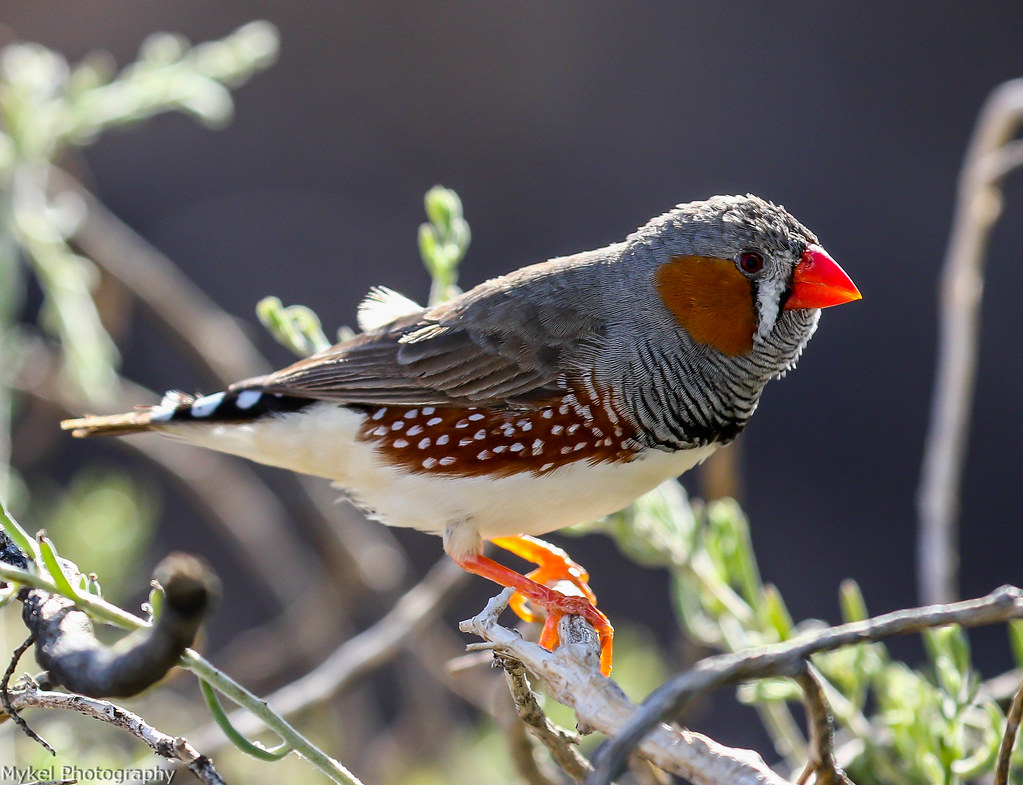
x,y
734,269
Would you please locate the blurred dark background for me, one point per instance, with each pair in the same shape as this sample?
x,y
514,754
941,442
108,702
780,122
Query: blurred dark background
x,y
563,127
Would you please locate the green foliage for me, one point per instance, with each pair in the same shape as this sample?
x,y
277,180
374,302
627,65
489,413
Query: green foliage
x,y
296,327
105,521
443,241
48,107
910,726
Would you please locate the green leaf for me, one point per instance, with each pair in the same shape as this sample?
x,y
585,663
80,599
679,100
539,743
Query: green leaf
x,y
236,738
20,537
773,613
850,597
296,327
48,554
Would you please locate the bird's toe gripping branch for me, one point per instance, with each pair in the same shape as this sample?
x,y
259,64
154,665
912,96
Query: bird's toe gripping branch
x,y
553,565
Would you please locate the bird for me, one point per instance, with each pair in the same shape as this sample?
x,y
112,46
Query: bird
x,y
550,396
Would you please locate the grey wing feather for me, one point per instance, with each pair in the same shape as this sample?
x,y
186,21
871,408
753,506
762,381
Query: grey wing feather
x,y
488,347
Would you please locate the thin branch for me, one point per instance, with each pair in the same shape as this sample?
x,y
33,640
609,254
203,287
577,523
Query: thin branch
x,y
224,684
561,744
29,696
207,333
522,748
1012,721
5,698
785,659
978,204
572,676
822,735
215,342
260,529
417,608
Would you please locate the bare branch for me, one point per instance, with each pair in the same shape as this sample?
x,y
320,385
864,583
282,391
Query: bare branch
x,y
786,659
560,743
822,735
978,203
5,698
572,676
1012,721
362,654
29,696
207,333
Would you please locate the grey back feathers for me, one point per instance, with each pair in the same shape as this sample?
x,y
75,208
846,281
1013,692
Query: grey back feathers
x,y
521,338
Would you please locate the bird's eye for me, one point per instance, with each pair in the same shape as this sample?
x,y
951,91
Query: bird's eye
x,y
751,262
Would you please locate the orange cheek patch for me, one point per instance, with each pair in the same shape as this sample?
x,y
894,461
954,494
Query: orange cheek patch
x,y
711,299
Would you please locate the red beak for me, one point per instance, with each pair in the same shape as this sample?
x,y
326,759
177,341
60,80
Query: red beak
x,y
818,282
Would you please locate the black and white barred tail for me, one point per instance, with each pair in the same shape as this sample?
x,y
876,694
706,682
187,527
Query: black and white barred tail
x,y
179,407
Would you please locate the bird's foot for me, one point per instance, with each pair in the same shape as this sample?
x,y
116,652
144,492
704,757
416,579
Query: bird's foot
x,y
555,566
564,605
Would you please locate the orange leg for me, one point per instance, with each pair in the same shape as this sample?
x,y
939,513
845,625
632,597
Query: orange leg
x,y
554,602
553,565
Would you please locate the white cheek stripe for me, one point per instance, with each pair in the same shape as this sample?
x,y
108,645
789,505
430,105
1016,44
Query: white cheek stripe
x,y
206,405
767,306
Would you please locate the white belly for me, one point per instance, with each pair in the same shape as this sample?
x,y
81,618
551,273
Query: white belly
x,y
321,440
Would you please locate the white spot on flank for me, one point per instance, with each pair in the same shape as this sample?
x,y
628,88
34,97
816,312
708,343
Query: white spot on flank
x,y
443,439
462,442
433,420
447,460
596,431
381,430
415,430
546,466
462,424
500,448
518,447
537,446
424,443
557,429
400,443
573,428
205,406
428,410
586,412
248,398
566,450
379,413
476,416
580,446
411,414
563,409
483,455
429,463
548,413
397,425
480,434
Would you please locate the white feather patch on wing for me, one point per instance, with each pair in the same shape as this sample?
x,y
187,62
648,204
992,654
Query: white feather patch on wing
x,y
382,306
